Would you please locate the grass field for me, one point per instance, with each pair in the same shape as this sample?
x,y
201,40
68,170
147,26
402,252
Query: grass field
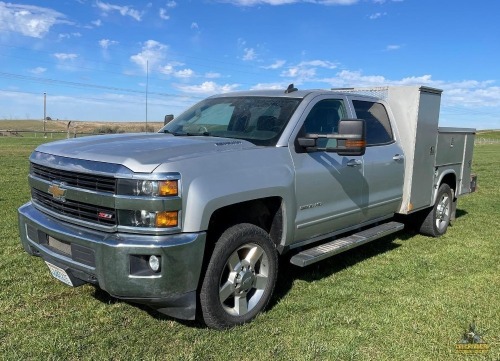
x,y
405,297
78,127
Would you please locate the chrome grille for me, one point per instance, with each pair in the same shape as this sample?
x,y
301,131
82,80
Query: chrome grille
x,y
83,211
74,179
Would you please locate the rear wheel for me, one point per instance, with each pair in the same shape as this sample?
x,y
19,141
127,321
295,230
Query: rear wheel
x,y
240,277
437,219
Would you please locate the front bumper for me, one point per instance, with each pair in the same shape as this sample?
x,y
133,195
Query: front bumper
x,y
115,261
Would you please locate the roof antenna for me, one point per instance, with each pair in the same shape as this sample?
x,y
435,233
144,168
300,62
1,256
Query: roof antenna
x,y
290,89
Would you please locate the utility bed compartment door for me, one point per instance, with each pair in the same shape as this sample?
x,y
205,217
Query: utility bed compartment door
x,y
454,150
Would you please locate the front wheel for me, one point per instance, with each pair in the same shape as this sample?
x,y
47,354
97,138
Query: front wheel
x,y
438,217
240,277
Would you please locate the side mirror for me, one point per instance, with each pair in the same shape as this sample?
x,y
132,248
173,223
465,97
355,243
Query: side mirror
x,y
351,139
168,119
307,142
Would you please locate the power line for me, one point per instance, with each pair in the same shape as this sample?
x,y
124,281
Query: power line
x,y
81,85
101,100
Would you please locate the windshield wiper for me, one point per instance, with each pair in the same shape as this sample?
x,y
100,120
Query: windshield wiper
x,y
188,134
205,134
166,131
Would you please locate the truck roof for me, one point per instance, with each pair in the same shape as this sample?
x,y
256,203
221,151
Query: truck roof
x,y
372,93
282,94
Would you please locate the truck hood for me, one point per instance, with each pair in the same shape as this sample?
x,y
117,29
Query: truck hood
x,y
141,152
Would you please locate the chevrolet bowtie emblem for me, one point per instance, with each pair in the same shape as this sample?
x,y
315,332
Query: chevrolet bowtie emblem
x,y
57,192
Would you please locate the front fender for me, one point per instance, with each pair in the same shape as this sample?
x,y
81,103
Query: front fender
x,y
210,192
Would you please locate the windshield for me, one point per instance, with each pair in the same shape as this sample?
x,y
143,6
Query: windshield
x,y
260,120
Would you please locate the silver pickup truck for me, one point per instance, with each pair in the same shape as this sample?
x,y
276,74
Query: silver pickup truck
x,y
193,218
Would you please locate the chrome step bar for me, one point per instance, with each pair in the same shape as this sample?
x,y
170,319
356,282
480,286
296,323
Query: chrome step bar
x,y
323,251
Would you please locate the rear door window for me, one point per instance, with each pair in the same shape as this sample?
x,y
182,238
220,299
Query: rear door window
x,y
378,126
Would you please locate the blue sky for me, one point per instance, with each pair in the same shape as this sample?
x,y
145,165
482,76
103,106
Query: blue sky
x,y
95,58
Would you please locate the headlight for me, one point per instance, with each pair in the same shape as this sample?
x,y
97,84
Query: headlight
x,y
149,201
164,219
148,188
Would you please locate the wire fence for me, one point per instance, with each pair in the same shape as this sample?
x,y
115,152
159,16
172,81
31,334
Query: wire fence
x,y
42,134
480,141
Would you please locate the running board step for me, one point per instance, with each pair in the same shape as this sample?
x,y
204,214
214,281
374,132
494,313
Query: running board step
x,y
323,251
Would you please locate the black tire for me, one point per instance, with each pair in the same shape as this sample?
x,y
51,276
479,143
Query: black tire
x,y
240,277
437,218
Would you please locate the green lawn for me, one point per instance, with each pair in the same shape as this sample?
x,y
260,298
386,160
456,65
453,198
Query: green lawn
x,y
405,297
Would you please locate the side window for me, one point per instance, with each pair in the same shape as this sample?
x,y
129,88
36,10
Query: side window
x,y
378,126
324,118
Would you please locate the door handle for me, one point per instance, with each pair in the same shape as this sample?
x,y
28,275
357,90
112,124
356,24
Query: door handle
x,y
398,157
354,163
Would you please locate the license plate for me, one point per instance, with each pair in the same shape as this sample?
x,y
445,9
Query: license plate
x,y
59,274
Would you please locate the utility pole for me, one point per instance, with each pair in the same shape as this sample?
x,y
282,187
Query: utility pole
x,y
44,113
147,85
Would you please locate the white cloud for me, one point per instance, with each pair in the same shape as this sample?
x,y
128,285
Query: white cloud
x,y
163,14
298,72
384,1
106,43
38,70
318,63
208,87
249,54
96,23
169,69
393,47
65,56
467,93
185,73
267,86
28,20
276,65
153,53
171,4
70,35
123,10
194,25
212,75
376,15
307,70
286,2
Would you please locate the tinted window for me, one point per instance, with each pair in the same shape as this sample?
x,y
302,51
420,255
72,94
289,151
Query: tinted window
x,y
260,120
324,118
378,126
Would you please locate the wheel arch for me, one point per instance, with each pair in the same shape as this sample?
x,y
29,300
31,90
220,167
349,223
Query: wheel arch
x,y
266,213
448,177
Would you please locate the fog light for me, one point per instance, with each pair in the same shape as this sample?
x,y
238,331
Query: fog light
x,y
154,263
167,219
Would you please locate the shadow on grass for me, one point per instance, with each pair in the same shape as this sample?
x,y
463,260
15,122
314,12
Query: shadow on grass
x,y
460,213
288,273
105,297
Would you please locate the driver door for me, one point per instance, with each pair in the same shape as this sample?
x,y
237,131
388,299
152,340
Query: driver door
x,y
329,187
